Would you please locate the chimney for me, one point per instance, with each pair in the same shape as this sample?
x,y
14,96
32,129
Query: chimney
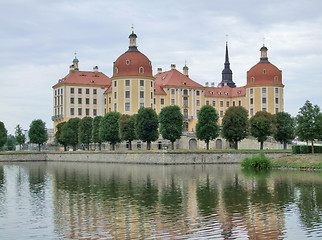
x,y
95,69
159,70
173,66
207,84
212,84
71,68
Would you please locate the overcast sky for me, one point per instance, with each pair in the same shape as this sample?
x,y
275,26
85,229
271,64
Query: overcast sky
x,y
39,38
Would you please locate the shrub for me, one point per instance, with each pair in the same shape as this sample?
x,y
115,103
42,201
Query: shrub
x,y
305,149
296,149
257,162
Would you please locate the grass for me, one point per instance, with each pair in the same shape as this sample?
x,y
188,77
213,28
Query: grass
x,y
258,162
303,161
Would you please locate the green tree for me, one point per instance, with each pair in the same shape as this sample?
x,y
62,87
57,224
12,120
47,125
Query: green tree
x,y
309,123
95,131
261,126
85,131
58,135
127,129
11,143
146,126
207,126
3,134
171,123
109,128
285,126
235,124
70,132
37,132
20,137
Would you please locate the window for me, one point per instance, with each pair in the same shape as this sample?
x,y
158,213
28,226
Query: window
x,y
185,102
264,71
172,91
141,70
115,95
197,112
127,106
198,102
221,113
198,93
115,84
263,90
207,102
55,92
115,107
128,62
252,101
264,109
95,112
172,101
109,100
227,104
221,103
94,91
213,103
116,70
251,91
72,90
61,91
154,100
79,91
87,100
79,101
276,90
94,101
127,94
151,84
276,110
141,94
252,79
276,100
264,100
275,78
87,91
71,100
127,82
87,111
151,95
141,105
233,103
105,101
79,111
239,103
251,112
185,113
141,82
72,111
162,101
185,92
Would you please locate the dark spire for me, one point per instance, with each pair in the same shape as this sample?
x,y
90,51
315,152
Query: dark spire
x,y
227,74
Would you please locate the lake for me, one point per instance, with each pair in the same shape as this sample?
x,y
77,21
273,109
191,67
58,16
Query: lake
x,y
114,201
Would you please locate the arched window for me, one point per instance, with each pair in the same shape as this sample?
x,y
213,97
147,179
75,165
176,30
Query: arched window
x,y
116,71
141,70
275,78
128,62
252,79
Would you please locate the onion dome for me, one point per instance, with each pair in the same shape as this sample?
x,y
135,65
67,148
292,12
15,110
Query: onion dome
x,y
132,62
264,72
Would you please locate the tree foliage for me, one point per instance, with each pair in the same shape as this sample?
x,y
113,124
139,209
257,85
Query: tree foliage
x,y
11,143
127,129
3,134
207,126
235,124
285,126
95,131
146,126
20,137
262,125
85,131
171,123
109,128
58,135
70,132
309,123
37,132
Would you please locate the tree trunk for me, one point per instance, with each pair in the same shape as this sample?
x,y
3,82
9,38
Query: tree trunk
x,y
74,147
39,147
207,144
284,145
262,146
130,145
236,145
312,146
99,146
113,147
172,145
148,145
65,148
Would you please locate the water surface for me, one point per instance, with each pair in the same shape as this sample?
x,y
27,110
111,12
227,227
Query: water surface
x,y
114,201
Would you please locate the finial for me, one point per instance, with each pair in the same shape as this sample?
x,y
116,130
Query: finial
x,y
226,38
263,41
132,28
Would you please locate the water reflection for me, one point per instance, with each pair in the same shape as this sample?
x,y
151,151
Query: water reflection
x,y
93,201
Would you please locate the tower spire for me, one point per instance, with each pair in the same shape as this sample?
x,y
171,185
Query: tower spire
x,y
227,74
132,37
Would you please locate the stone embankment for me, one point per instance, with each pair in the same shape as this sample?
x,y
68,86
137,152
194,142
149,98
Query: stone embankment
x,y
162,158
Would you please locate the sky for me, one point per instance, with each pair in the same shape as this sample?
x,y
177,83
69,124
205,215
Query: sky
x,y
39,38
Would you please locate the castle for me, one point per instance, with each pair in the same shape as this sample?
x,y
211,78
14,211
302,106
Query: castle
x,y
133,85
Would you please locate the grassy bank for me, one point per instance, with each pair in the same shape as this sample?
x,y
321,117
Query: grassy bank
x,y
306,161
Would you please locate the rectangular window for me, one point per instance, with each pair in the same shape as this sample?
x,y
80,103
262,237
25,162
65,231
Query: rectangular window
x,y
213,103
172,91
115,95
172,101
141,105
207,102
71,100
154,100
127,106
95,112
251,112
62,91
141,82
87,100
264,100
58,91
198,102
127,82
79,101
79,111
198,93
233,103
264,109
276,100
276,90
221,113
197,112
115,107
252,101
72,90
72,111
251,91
55,92
79,91
227,104
141,94
127,94
239,103
94,101
105,101
109,100
115,83
151,84
263,90
221,103
87,111
94,91
276,110
87,91
151,95
162,101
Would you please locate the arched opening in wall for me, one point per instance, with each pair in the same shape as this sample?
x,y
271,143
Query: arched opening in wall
x,y
138,145
127,145
218,144
185,126
160,145
192,143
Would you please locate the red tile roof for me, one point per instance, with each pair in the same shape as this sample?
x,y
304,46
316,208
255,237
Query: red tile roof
x,y
225,92
85,78
263,74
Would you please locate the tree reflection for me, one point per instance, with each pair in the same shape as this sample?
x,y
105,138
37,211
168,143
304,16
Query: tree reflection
x,y
148,194
171,198
207,197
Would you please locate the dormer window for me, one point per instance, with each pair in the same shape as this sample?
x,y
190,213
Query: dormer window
x,y
252,79
184,83
226,93
128,62
141,70
219,93
116,71
264,71
275,78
